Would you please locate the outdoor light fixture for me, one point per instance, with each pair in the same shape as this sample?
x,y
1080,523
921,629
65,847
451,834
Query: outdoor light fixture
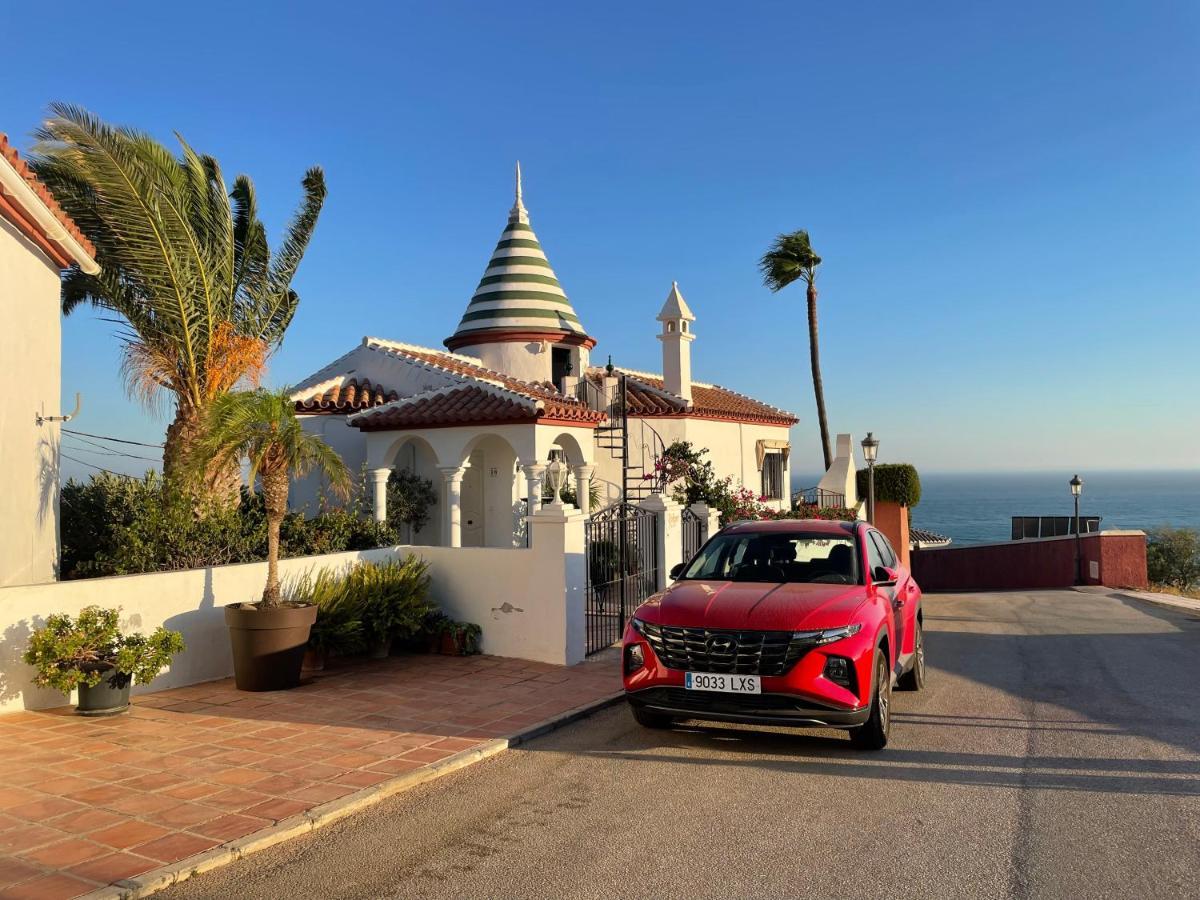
x,y
1077,489
556,476
870,445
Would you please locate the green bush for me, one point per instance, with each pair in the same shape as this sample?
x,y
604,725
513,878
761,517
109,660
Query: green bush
x,y
365,604
122,526
409,497
393,597
894,483
69,653
339,625
1173,557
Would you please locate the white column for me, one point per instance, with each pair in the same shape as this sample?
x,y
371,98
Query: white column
x,y
669,534
452,514
379,478
710,520
556,631
534,473
583,487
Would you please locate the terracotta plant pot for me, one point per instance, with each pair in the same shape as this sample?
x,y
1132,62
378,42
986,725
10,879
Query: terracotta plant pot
x,y
380,649
314,660
109,697
268,644
450,645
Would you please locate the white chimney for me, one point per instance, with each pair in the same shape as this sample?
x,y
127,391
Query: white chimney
x,y
677,338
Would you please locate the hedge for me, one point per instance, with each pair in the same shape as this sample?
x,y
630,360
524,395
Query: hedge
x,y
894,483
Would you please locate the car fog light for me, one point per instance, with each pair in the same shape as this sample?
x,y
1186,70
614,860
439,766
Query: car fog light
x,y
837,670
634,658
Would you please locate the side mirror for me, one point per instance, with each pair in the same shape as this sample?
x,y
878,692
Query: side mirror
x,y
677,570
883,576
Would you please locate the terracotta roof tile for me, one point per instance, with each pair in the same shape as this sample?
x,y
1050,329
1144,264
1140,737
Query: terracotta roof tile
x,y
9,152
649,397
351,395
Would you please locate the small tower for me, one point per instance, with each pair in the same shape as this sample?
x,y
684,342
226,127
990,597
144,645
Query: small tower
x,y
519,320
677,337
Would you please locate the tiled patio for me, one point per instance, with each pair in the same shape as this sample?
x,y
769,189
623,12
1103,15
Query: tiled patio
x,y
87,802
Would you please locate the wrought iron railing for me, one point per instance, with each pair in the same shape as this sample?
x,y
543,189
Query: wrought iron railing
x,y
819,497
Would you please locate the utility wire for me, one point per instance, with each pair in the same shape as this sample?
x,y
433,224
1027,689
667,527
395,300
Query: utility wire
x,y
108,452
98,468
104,437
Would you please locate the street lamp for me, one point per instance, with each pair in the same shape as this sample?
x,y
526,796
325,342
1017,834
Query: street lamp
x,y
870,445
1077,489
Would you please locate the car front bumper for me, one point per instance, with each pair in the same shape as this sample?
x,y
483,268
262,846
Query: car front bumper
x,y
748,709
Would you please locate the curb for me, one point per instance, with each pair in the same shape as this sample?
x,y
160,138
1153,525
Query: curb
x,y
1167,601
327,813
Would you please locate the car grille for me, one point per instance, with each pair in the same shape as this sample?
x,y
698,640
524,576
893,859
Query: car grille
x,y
734,652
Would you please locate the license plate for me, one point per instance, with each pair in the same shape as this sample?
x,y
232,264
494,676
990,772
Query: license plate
x,y
728,684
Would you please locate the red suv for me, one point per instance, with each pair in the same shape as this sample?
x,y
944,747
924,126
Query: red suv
x,y
780,623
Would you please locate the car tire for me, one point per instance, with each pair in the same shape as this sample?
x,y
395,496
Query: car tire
x,y
914,678
873,734
648,719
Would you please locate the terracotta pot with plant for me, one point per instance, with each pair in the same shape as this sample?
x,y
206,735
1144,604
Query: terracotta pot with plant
x,y
268,638
91,654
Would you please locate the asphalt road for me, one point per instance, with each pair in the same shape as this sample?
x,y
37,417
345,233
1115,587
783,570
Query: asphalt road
x,y
1055,753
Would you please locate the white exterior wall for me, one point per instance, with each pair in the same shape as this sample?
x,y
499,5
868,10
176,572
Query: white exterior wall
x,y
306,493
526,360
732,449
524,599
30,355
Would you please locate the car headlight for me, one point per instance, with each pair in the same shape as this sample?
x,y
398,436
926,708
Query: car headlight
x,y
638,625
827,635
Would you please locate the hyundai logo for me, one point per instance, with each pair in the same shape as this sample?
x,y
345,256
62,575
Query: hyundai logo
x,y
722,643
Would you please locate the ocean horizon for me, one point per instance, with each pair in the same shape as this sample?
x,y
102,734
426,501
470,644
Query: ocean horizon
x,y
977,507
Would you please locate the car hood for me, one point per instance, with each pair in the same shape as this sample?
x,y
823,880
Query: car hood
x,y
753,605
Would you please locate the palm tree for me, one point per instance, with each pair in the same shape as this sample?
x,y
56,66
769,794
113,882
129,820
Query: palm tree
x,y
184,265
791,257
261,426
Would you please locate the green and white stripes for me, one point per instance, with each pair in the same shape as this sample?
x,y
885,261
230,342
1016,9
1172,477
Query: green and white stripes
x,y
518,290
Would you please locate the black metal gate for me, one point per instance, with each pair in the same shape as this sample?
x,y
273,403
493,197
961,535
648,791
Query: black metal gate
x,y
692,531
622,570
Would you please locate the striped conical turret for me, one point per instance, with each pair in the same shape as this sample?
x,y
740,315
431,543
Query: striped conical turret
x,y
519,296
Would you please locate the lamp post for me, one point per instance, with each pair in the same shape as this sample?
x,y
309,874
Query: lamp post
x,y
870,445
1077,489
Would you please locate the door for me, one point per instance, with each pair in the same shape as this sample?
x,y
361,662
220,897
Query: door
x,y
472,505
887,592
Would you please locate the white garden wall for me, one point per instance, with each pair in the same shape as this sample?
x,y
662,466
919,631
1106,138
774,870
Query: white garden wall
x,y
520,598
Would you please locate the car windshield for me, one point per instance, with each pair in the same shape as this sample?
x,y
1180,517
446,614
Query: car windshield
x,y
776,557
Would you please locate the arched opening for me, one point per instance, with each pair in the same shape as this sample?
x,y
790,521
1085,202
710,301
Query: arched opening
x,y
490,493
415,476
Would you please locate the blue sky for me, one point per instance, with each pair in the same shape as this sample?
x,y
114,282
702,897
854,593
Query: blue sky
x,y
1007,196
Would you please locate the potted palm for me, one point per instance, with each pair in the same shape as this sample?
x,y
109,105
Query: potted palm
x,y
268,637
91,654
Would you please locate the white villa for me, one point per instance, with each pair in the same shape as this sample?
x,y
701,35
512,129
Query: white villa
x,y
514,389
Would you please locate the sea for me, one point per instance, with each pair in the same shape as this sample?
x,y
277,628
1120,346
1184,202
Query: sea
x,y
976,508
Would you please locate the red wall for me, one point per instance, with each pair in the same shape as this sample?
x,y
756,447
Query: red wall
x,y
892,520
1024,565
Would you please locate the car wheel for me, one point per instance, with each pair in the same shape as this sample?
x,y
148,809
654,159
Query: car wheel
x,y
914,678
648,719
873,734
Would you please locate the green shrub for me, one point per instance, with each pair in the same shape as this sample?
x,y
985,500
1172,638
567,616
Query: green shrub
x,y
339,626
123,526
69,653
409,497
393,597
1173,557
894,483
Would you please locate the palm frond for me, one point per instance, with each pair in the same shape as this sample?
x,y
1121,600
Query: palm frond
x,y
789,258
